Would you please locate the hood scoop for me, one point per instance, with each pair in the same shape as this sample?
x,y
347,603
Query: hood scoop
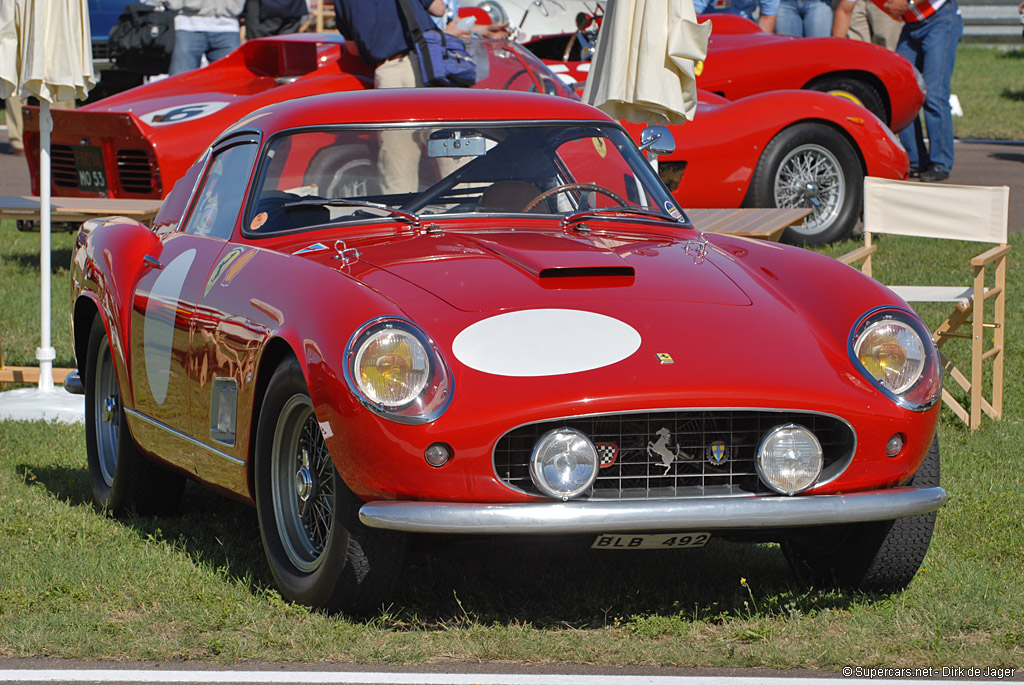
x,y
546,256
558,272
527,269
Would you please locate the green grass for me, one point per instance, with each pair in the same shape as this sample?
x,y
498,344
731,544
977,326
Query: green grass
x,y
19,307
75,583
990,85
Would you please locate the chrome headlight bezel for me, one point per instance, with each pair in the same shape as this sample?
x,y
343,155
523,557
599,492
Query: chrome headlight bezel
x,y
924,389
495,11
426,400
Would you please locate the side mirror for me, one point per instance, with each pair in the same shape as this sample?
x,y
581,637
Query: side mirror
x,y
657,139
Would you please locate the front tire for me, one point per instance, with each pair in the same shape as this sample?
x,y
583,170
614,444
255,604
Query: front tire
x,y
858,91
813,166
122,478
319,553
880,556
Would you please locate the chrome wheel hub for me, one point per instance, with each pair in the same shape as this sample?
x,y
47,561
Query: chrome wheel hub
x,y
109,413
811,176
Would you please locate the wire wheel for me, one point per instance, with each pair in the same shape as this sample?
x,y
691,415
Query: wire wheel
x,y
302,485
811,176
106,414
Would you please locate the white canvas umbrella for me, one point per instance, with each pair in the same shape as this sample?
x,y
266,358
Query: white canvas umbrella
x,y
643,70
45,52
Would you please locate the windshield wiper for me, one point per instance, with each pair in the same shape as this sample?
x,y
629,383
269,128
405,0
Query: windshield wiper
x,y
621,209
411,217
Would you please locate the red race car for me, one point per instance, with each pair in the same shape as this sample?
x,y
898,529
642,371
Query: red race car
x,y
782,149
136,144
743,60
530,340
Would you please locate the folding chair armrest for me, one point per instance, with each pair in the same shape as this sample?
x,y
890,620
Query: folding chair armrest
x,y
990,255
857,255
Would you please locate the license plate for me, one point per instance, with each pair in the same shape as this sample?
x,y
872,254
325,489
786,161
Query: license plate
x,y
659,541
89,167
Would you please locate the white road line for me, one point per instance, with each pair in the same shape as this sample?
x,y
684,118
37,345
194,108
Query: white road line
x,y
378,678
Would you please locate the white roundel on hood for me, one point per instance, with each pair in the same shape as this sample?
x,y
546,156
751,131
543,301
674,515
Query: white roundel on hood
x,y
545,342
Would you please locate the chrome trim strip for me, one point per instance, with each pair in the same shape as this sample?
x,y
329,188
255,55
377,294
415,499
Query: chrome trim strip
x,y
710,514
187,438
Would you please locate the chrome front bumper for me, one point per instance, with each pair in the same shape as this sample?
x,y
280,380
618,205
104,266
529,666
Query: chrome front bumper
x,y
708,514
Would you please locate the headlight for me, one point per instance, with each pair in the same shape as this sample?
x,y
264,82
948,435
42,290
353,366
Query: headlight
x,y
495,11
789,459
564,463
394,369
894,350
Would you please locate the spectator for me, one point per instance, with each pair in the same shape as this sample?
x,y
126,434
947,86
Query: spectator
x,y
865,21
273,17
931,31
203,27
804,18
375,30
450,23
12,107
767,10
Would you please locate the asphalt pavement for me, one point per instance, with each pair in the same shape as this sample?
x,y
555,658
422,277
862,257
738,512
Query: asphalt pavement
x,y
977,163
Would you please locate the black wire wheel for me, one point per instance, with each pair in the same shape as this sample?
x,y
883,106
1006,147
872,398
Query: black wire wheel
x,y
319,553
302,485
879,556
122,478
811,166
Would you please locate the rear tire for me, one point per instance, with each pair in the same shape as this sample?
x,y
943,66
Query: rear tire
x,y
122,478
813,166
318,551
880,556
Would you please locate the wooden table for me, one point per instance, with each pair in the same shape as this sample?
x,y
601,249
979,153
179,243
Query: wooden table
x,y
77,209
766,223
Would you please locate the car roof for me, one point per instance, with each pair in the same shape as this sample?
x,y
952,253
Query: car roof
x,y
410,105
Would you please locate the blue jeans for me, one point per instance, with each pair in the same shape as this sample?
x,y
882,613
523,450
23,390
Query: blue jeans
x,y
930,45
190,46
804,18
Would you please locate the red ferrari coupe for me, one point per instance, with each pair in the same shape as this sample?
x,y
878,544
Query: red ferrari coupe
x,y
527,339
783,149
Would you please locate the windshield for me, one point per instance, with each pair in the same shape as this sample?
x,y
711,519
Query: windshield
x,y
312,177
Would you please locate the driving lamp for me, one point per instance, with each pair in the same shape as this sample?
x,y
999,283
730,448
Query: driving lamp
x,y
789,459
564,463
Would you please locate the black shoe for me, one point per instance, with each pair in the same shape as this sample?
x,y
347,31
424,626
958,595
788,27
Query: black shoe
x,y
915,172
933,173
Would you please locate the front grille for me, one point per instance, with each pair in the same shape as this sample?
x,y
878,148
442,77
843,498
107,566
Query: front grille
x,y
62,166
134,171
662,455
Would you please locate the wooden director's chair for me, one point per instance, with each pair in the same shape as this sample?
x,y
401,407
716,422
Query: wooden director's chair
x,y
974,213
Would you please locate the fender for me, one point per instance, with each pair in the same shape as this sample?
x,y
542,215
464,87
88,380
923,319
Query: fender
x,y
109,282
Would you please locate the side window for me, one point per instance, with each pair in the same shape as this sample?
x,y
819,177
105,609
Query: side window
x,y
222,192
